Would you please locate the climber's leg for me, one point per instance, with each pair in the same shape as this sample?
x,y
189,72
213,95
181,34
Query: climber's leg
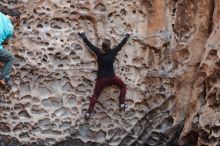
x,y
7,58
100,85
118,82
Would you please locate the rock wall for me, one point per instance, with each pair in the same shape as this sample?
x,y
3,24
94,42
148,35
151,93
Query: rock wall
x,y
170,65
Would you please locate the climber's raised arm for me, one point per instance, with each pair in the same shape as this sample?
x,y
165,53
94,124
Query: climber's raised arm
x,y
121,44
88,43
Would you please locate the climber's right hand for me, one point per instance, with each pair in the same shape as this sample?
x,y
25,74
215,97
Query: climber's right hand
x,y
82,34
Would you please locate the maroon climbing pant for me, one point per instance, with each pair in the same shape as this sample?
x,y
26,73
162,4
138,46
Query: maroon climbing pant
x,y
101,83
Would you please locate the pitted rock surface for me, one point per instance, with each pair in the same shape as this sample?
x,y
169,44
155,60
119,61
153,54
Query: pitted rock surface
x,y
170,65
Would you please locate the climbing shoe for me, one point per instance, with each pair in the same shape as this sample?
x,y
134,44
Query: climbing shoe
x,y
87,116
123,106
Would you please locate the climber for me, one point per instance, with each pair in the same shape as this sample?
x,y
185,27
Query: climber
x,y
106,75
7,20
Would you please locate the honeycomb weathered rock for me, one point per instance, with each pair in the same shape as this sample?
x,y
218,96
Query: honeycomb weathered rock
x,y
170,65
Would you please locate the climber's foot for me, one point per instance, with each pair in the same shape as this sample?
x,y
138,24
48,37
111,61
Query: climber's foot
x,y
123,106
2,82
5,83
87,115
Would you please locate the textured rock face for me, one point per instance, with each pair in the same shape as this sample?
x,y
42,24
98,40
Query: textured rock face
x,y
170,66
